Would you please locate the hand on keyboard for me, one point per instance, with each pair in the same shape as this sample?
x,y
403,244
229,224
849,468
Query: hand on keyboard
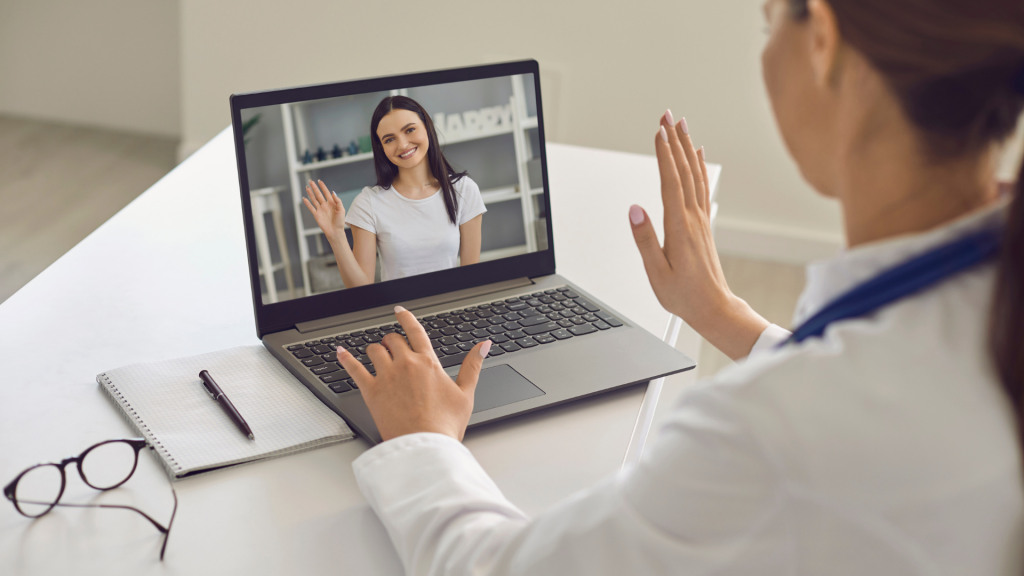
x,y
411,391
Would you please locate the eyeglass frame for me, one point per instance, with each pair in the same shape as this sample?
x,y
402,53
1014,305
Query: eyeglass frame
x,y
136,443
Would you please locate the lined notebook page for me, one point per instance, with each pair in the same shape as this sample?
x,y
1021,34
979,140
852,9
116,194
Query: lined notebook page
x,y
169,404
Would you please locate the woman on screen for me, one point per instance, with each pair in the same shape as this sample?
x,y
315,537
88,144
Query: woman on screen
x,y
421,216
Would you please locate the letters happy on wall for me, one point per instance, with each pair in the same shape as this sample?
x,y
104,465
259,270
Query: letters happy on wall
x,y
474,122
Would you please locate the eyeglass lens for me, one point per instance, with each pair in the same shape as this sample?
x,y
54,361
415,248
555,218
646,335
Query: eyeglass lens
x,y
108,464
38,489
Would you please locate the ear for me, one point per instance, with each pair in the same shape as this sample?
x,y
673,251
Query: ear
x,y
825,42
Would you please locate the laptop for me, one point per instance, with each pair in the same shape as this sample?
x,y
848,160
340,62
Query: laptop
x,y
470,252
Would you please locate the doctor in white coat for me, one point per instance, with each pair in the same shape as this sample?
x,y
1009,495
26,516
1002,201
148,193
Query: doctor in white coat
x,y
883,436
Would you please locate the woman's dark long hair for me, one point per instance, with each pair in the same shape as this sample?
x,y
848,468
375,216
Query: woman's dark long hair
x,y
957,68
439,166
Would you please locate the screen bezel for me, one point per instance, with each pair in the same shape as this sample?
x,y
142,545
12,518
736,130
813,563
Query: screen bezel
x,y
280,316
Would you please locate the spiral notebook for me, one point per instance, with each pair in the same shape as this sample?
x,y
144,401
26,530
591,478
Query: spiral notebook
x,y
168,405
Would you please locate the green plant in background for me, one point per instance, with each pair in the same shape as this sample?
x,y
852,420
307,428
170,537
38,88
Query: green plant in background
x,y
248,125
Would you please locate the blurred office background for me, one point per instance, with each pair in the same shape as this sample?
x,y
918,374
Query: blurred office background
x,y
99,99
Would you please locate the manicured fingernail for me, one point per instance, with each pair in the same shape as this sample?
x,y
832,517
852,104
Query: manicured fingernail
x,y
636,214
485,348
664,135
682,124
399,309
701,153
668,117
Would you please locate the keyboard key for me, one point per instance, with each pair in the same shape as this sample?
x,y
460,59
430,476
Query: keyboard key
x,y
453,360
512,316
449,341
495,329
436,343
526,342
565,323
449,330
480,333
481,324
545,309
304,353
578,320
533,302
354,342
546,300
554,316
570,294
471,308
332,357
464,336
335,377
533,321
371,331
429,318
295,347
562,334
466,327
312,343
466,346
551,291
510,347
566,313
485,314
516,334
497,303
321,349
589,306
613,322
541,329
444,314
496,320
559,298
535,294
340,387
563,289
511,300
590,318
518,306
469,317
495,351
499,338
352,383
544,339
370,339
449,350
437,324
578,310
434,334
499,310
601,325
452,320
582,329
484,306
314,361
530,312
511,326
326,369
357,333
457,312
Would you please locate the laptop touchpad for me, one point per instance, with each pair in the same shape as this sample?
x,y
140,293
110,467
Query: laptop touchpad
x,y
501,385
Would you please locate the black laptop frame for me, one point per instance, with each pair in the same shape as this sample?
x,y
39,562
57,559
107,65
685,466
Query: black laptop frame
x,y
280,316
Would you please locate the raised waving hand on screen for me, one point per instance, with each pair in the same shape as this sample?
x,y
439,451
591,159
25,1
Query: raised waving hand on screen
x,y
685,273
326,208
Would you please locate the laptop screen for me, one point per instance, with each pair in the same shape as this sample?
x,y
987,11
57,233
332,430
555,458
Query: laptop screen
x,y
376,187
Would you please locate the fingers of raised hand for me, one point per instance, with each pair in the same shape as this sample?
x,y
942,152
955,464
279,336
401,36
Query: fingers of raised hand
x,y
707,181
671,188
680,157
312,197
696,177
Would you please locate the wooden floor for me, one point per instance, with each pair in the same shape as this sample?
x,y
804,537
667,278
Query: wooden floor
x,y
58,183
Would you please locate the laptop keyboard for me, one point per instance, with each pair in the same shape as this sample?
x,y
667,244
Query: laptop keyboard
x,y
512,324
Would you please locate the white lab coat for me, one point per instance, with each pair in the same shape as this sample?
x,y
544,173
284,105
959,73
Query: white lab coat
x,y
885,447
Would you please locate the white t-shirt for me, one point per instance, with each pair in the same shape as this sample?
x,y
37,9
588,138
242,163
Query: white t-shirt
x,y
414,236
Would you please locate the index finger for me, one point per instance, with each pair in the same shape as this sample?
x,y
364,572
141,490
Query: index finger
x,y
671,188
355,368
414,332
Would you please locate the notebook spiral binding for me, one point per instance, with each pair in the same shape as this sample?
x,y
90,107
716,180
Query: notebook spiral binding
x,y
129,413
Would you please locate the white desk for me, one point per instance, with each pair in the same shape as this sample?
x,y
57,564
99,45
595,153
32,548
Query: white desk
x,y
167,277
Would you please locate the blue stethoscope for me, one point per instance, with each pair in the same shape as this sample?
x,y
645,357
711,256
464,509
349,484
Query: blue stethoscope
x,y
908,278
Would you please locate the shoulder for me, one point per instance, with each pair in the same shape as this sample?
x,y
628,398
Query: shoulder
x,y
466,186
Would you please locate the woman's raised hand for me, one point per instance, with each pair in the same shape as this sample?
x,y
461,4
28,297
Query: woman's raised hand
x,y
686,274
326,208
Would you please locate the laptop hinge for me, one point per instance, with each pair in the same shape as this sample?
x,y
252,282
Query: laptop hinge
x,y
381,311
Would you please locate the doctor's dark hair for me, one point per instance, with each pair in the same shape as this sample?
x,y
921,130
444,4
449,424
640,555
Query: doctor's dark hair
x,y
957,69
439,166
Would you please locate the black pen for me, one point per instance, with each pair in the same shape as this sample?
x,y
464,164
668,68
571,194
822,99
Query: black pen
x,y
217,394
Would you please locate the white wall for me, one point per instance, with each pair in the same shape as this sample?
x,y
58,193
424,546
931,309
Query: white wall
x,y
608,71
107,63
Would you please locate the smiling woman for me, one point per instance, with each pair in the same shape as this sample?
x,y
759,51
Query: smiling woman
x,y
417,222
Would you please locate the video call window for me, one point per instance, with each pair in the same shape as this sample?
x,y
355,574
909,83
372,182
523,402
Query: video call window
x,y
385,209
